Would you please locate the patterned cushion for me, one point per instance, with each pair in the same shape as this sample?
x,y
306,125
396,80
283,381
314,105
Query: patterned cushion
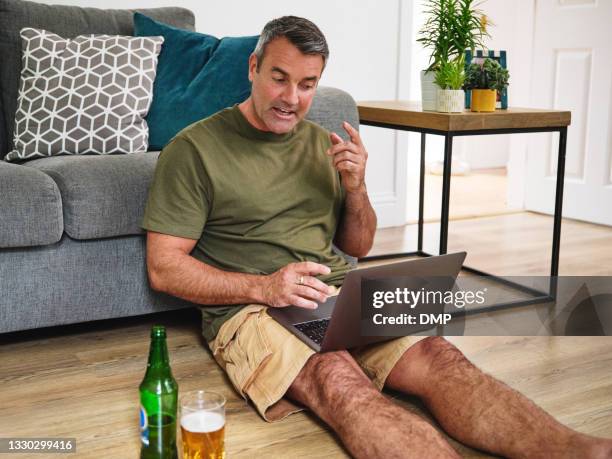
x,y
85,95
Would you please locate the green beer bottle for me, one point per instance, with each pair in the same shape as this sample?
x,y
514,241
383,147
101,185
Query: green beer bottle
x,y
158,402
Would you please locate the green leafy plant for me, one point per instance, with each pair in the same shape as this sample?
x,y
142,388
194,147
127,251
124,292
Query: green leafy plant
x,y
450,75
451,28
486,75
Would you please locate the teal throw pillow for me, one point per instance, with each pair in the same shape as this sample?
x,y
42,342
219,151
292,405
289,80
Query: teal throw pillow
x,y
197,75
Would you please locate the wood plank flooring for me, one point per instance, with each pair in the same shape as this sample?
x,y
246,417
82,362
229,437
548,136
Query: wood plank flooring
x,y
480,193
82,381
518,244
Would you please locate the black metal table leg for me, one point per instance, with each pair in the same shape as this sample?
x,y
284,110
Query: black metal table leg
x,y
556,243
446,176
421,193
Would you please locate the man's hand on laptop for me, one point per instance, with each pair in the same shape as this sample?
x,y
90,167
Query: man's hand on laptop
x,y
296,285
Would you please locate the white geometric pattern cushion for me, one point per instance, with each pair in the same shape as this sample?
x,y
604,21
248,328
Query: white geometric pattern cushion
x,y
89,94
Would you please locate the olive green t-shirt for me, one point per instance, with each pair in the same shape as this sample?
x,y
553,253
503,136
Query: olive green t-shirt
x,y
255,201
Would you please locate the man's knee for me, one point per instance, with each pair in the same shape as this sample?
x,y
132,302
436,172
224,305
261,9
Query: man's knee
x,y
330,377
440,356
431,359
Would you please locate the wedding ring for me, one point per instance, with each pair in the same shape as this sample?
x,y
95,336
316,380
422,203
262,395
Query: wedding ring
x,y
301,280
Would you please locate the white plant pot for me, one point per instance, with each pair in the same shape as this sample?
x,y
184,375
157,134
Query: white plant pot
x,y
450,100
429,90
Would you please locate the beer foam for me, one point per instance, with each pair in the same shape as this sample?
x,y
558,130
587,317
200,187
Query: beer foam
x,y
202,422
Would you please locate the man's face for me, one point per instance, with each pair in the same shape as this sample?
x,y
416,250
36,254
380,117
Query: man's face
x,y
283,87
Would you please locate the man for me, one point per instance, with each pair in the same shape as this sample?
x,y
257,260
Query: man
x,y
241,215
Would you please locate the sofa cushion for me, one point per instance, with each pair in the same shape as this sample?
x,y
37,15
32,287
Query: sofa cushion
x,y
67,21
103,196
197,76
30,207
89,94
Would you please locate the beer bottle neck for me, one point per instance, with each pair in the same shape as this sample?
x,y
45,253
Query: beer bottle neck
x,y
158,355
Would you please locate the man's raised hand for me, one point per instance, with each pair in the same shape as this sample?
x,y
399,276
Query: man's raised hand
x,y
294,284
349,158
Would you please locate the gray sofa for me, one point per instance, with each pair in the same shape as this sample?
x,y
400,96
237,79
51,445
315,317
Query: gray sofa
x,y
71,248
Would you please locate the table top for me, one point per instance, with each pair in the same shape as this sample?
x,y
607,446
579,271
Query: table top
x,y
401,113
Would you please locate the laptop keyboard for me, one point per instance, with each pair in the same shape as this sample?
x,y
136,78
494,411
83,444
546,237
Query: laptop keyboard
x,y
315,329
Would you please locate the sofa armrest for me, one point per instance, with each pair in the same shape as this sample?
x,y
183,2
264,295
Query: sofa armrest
x,y
30,207
330,107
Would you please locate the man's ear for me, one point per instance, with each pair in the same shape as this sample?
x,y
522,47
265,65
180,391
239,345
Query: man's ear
x,y
252,66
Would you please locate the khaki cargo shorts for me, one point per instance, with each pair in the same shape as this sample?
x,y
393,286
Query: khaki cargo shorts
x,y
262,358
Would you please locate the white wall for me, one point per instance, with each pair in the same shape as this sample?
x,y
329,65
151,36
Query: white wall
x,y
521,63
363,40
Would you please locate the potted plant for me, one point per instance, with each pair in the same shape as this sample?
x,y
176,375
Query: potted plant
x,y
449,78
485,79
451,28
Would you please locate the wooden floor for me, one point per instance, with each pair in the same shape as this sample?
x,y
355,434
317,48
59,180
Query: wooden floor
x,y
517,244
82,381
480,193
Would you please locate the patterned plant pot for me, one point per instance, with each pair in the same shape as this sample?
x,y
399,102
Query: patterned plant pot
x,y
450,100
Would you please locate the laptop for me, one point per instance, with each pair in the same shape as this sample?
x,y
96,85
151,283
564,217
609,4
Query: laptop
x,y
336,323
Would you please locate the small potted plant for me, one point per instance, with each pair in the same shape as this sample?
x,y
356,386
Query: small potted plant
x,y
485,79
451,27
449,78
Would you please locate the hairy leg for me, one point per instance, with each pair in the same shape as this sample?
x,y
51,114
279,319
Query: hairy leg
x,y
483,412
334,387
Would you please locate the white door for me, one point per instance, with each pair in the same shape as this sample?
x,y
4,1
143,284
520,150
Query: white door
x,y
572,70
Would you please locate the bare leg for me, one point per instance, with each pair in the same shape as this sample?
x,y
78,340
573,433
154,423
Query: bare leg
x,y
485,413
334,387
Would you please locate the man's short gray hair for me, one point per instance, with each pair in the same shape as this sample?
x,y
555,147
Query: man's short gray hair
x,y
302,33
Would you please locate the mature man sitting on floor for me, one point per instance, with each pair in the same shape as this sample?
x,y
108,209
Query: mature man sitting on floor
x,y
242,214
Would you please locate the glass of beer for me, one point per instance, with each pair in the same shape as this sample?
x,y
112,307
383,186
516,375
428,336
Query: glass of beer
x,y
203,425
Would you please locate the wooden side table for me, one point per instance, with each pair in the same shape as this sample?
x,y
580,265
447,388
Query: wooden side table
x,y
409,116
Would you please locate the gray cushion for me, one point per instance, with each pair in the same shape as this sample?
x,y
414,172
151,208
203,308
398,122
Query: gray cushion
x,y
30,207
330,107
67,21
103,196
